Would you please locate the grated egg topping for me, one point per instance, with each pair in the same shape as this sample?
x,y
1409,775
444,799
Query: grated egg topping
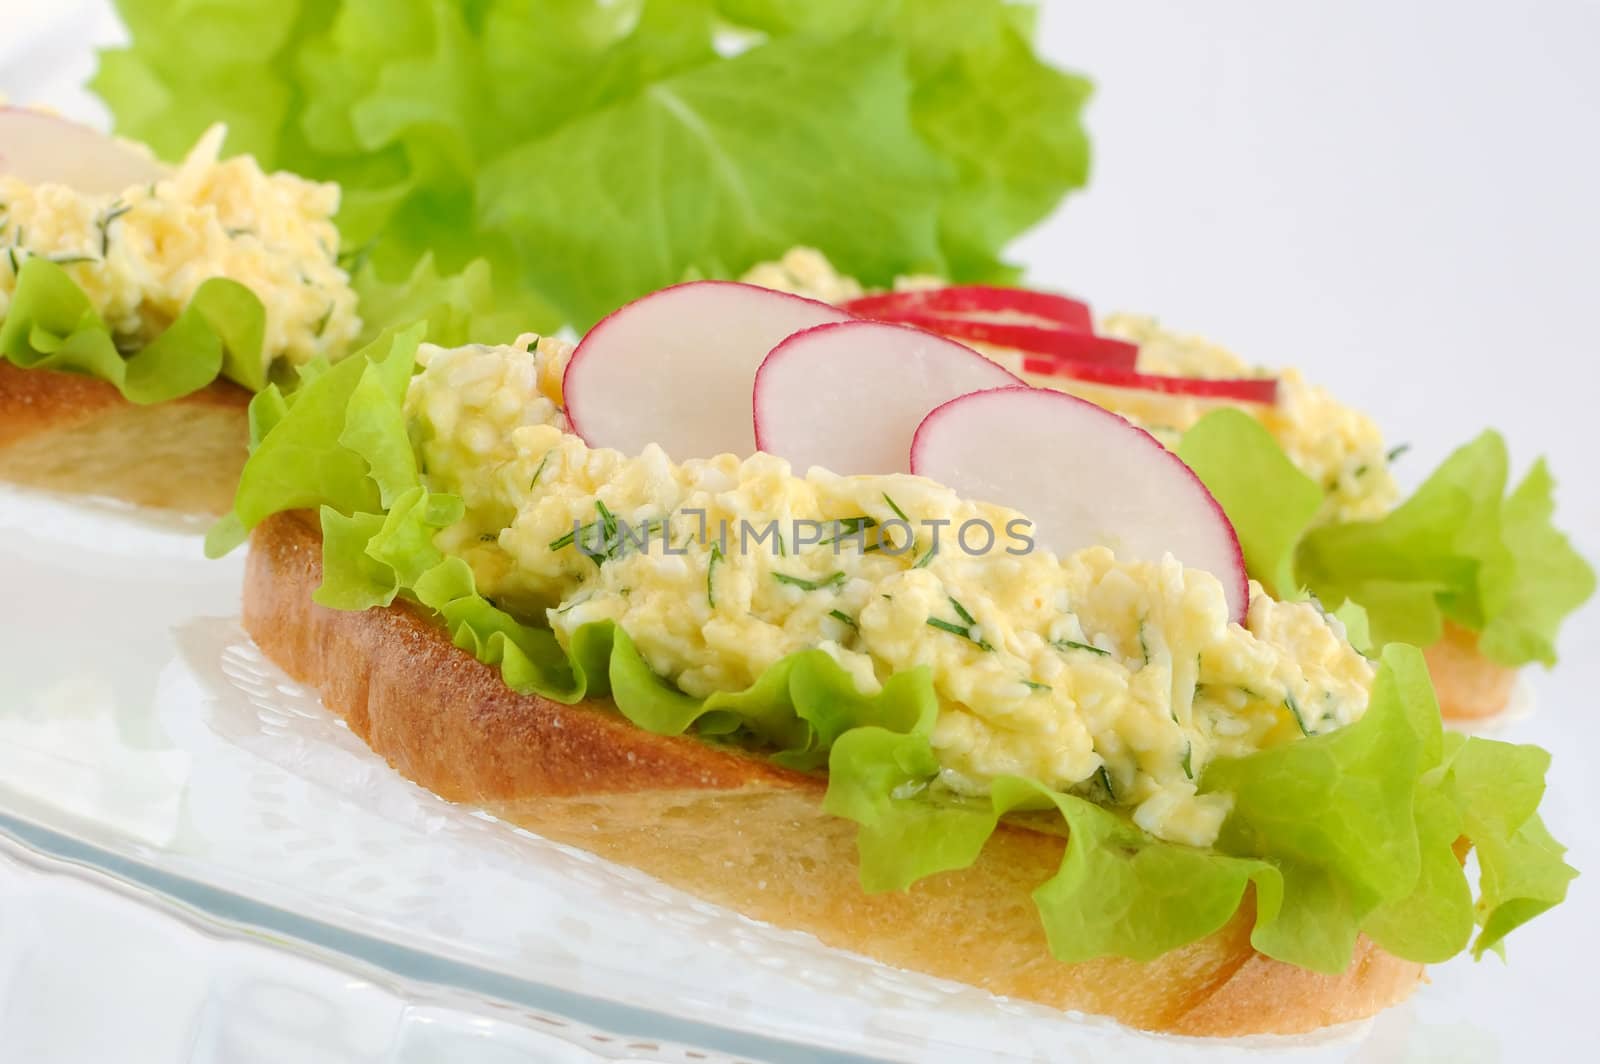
x,y
1119,680
140,255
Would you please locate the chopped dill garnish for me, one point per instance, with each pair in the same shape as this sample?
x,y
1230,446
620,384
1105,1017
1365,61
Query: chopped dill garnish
x,y
1294,708
843,618
832,580
963,630
575,603
1104,777
1034,685
538,472
849,526
711,569
609,546
961,611
1188,767
608,520
952,627
117,210
922,562
901,514
567,540
1396,451
1073,644
71,260
322,322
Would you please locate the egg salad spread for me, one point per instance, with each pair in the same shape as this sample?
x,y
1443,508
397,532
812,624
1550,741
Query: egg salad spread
x,y
141,255
1119,680
1338,447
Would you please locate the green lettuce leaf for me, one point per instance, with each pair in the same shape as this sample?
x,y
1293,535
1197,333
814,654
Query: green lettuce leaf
x,y
1010,174
1270,502
1497,787
459,308
1458,549
1438,554
51,324
746,202
592,152
1550,579
1351,831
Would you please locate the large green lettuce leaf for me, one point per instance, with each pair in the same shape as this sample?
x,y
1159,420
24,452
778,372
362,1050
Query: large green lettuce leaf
x,y
458,308
1270,502
1341,833
1459,549
593,151
51,324
718,135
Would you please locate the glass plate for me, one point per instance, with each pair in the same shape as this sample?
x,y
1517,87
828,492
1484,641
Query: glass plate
x,y
170,983
143,737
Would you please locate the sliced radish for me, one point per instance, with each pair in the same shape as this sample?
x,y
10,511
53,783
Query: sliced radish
x,y
1053,342
43,149
977,302
1084,476
848,396
677,367
1236,389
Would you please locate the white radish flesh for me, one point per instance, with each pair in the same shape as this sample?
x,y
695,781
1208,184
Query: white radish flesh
x,y
43,149
677,367
1084,476
849,396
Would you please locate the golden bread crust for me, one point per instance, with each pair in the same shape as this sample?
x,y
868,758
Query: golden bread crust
x,y
74,433
741,832
1469,685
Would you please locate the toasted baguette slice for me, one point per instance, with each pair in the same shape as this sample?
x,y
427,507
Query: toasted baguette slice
x,y
73,433
737,830
1469,685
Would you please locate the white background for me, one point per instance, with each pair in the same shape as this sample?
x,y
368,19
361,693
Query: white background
x,y
1398,197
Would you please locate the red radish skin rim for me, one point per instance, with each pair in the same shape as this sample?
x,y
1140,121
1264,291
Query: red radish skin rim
x,y
1234,548
808,332
1263,390
595,330
973,300
1065,345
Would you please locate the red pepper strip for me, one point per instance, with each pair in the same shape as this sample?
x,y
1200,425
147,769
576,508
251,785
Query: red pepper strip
x,y
1031,339
1239,389
980,302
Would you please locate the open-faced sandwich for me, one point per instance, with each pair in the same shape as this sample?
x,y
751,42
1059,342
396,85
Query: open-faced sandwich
x,y
142,305
1467,567
839,624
